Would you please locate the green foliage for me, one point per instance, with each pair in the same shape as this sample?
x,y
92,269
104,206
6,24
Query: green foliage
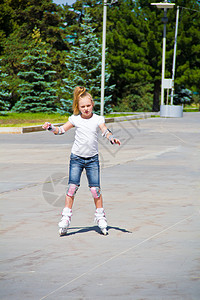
x,y
37,92
43,14
182,96
196,99
18,23
84,67
7,23
4,92
140,98
134,49
134,44
188,55
13,54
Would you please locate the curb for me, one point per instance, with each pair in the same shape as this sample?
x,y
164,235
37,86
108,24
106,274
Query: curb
x,y
36,128
136,116
20,130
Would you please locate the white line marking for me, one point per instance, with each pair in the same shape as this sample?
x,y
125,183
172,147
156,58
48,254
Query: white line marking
x,y
11,272
117,255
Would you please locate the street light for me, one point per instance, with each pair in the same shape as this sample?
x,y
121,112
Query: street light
x,y
168,110
165,83
105,4
174,57
103,56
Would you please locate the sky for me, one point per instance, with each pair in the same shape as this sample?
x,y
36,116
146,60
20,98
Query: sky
x,y
69,2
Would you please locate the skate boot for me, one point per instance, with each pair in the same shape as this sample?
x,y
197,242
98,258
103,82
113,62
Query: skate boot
x,y
65,221
101,221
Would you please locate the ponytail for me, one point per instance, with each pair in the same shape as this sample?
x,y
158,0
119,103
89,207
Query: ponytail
x,y
79,92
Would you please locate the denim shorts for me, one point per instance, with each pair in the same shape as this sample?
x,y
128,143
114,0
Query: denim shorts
x,y
91,166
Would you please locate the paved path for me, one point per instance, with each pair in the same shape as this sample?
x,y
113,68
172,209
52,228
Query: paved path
x,y
151,191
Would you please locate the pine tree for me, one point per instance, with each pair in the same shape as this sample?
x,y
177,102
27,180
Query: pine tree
x,y
4,92
188,47
7,23
37,92
126,55
152,28
188,51
84,67
14,49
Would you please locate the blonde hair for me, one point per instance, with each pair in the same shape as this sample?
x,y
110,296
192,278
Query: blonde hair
x,y
79,93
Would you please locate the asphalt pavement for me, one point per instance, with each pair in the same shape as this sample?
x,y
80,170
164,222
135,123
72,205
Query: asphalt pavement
x,y
151,191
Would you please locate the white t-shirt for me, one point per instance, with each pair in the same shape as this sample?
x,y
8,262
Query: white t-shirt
x,y
86,136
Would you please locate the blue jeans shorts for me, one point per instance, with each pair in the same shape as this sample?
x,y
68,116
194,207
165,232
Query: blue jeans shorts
x,y
91,166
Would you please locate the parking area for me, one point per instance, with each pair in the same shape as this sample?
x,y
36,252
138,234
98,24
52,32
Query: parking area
x,y
151,191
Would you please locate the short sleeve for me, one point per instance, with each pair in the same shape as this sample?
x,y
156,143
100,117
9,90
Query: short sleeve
x,y
71,120
101,120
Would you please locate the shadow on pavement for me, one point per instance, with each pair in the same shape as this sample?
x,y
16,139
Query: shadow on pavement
x,y
77,230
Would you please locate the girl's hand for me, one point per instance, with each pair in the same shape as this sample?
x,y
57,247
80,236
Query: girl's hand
x,y
50,127
46,125
115,141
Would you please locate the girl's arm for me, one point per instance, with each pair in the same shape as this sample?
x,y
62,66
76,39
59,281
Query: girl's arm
x,y
108,134
58,130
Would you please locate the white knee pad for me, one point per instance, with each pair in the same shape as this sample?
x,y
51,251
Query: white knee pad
x,y
96,191
72,189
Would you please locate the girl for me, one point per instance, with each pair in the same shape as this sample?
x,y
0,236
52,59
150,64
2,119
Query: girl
x,y
84,155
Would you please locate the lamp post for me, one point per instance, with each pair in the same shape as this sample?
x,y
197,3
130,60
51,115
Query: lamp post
x,y
165,83
103,56
105,4
174,57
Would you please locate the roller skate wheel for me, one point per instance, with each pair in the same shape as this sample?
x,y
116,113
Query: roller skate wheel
x,y
62,231
104,231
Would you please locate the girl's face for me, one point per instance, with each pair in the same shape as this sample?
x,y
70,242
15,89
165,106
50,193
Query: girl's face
x,y
85,107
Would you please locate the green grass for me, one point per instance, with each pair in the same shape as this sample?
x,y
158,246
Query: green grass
x,y
28,119
194,107
190,109
118,115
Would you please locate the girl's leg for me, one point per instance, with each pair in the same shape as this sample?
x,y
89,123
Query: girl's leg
x,y
100,216
93,175
75,171
100,219
98,202
67,211
69,201
65,221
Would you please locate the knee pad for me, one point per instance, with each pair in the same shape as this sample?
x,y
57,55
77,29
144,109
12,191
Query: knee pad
x,y
96,191
72,189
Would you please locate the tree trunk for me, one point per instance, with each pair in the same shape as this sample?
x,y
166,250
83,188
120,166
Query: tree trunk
x,y
156,101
